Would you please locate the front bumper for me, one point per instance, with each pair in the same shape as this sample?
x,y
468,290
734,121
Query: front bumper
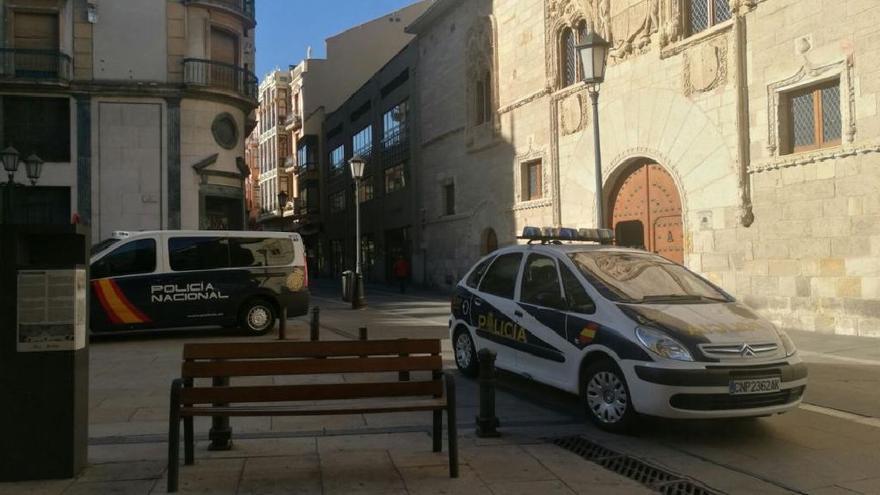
x,y
701,390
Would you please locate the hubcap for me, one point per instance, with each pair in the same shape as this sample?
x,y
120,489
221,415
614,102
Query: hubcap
x,y
258,317
606,397
463,353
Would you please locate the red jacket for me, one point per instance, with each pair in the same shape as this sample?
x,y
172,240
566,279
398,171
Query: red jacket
x,y
400,269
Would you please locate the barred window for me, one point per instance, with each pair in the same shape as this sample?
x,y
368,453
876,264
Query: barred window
x,y
812,117
337,201
362,142
568,58
703,14
394,179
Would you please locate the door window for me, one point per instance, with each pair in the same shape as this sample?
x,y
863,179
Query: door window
x,y
500,280
540,283
198,253
576,296
258,251
473,279
129,259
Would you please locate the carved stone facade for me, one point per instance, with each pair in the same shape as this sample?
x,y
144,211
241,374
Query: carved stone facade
x,y
796,235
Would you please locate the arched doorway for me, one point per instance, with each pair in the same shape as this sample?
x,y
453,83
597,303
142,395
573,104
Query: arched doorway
x,y
490,241
646,212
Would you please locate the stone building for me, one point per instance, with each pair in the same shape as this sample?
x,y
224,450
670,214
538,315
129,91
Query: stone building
x,y
139,106
273,145
740,137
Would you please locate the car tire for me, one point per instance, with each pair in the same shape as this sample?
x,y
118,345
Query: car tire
x,y
465,353
606,398
257,317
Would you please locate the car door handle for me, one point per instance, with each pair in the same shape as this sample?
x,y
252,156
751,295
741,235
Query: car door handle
x,y
518,313
478,301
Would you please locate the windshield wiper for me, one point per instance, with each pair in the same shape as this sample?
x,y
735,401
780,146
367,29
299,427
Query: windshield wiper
x,y
680,298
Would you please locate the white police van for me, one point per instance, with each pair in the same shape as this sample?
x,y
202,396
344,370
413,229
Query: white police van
x,y
629,331
178,278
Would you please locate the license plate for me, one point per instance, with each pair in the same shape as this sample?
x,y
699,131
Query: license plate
x,y
755,386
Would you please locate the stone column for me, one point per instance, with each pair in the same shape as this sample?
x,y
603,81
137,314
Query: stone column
x,y
173,219
84,158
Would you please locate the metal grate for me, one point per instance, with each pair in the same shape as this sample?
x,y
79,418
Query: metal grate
x,y
831,113
653,477
721,11
803,120
699,15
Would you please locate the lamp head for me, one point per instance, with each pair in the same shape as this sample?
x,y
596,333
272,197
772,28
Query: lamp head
x,y
10,159
357,165
593,51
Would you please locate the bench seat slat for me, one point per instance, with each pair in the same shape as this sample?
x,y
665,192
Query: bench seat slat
x,y
309,366
318,409
282,393
268,350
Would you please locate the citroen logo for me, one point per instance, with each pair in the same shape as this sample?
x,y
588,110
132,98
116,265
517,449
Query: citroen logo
x,y
747,351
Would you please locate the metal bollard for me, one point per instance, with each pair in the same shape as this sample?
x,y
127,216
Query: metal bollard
x,y
487,421
282,324
220,433
315,325
362,333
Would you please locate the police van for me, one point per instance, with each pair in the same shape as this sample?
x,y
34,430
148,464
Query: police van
x,y
629,331
166,279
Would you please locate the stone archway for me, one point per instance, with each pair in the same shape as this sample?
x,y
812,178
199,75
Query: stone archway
x,y
646,211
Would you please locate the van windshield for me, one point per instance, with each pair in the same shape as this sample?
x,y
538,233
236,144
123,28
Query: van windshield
x,y
101,246
632,277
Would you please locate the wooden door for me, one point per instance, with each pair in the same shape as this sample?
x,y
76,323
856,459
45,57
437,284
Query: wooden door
x,y
646,212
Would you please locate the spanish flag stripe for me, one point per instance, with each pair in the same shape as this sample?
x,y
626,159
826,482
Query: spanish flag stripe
x,y
131,307
116,304
99,291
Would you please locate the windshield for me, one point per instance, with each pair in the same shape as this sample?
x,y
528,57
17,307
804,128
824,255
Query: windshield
x,y
633,277
97,248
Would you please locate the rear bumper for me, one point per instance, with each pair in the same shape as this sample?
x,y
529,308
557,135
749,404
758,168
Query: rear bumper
x,y
297,303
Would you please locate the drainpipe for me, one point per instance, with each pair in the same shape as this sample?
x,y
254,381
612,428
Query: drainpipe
x,y
742,115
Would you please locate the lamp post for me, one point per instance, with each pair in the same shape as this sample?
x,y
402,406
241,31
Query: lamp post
x,y
9,156
282,201
357,173
593,51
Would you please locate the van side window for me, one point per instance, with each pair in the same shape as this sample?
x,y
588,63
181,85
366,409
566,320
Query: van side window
x,y
474,278
540,283
261,251
198,253
500,280
578,299
129,259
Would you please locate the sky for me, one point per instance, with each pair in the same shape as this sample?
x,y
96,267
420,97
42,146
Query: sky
x,y
285,28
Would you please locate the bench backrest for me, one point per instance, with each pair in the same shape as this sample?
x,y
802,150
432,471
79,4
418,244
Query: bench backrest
x,y
224,360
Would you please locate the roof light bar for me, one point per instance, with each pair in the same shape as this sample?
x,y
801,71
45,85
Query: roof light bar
x,y
554,234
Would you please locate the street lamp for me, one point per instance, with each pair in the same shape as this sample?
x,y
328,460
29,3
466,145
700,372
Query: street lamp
x,y
10,161
593,52
34,167
357,165
282,201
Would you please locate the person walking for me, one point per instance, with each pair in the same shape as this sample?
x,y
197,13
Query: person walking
x,y
400,271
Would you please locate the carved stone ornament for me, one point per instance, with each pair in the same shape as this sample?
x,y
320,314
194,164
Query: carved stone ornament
x,y
572,114
480,52
705,67
628,29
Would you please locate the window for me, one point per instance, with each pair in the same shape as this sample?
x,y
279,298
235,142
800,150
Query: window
x,y
337,255
260,251
37,125
568,58
39,32
703,14
365,189
500,279
813,117
198,253
362,142
305,156
576,296
540,283
337,202
449,199
394,124
476,274
129,259
531,181
337,160
368,254
483,103
394,179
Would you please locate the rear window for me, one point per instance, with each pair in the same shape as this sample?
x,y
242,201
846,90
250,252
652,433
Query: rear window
x,y
261,251
198,253
473,279
500,279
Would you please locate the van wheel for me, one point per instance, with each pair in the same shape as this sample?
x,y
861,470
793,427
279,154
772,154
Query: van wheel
x,y
257,317
465,353
606,397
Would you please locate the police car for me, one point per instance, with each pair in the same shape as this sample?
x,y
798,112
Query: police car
x,y
162,279
629,331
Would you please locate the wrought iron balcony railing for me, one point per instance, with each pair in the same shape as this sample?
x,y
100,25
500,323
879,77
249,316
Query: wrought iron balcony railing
x,y
293,121
245,8
211,74
32,64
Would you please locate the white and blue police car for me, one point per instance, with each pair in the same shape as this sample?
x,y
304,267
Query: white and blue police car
x,y
629,331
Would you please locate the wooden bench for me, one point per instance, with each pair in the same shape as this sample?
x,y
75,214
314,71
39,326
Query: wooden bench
x,y
217,363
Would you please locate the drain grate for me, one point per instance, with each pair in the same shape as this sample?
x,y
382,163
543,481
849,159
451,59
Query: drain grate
x,y
653,477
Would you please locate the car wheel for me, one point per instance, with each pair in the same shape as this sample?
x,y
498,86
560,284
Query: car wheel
x,y
465,353
257,317
606,397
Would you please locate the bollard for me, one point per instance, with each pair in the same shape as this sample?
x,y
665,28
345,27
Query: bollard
x,y
220,433
487,421
282,324
362,333
315,325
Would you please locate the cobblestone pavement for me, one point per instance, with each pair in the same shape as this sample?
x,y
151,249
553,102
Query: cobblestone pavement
x,y
828,446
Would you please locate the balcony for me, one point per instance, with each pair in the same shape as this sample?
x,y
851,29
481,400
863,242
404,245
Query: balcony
x,y
293,122
221,76
290,164
35,65
303,213
307,171
240,8
395,146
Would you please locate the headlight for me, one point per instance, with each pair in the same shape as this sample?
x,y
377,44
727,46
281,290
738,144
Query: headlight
x,y
787,343
663,345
